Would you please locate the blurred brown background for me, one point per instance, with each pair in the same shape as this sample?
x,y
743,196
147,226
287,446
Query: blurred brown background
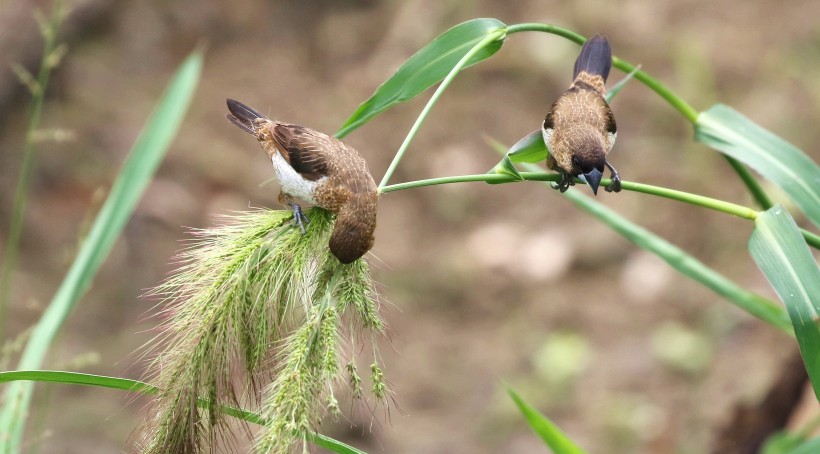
x,y
487,285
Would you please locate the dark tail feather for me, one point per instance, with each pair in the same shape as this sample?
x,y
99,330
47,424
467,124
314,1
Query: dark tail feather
x,y
595,57
243,116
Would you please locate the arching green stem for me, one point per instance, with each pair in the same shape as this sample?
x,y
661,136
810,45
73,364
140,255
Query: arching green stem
x,y
433,99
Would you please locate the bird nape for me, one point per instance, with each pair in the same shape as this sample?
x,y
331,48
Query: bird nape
x,y
579,129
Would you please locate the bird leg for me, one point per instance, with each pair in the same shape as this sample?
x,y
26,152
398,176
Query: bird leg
x,y
565,183
615,180
299,218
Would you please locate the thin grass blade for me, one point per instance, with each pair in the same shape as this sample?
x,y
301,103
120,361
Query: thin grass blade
x,y
613,92
102,381
139,168
781,253
729,132
427,67
544,428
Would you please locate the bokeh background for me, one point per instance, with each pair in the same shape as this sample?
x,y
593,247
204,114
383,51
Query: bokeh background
x,y
486,286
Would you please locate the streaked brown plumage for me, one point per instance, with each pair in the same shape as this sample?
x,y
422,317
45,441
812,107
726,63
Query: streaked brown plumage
x,y
579,129
319,169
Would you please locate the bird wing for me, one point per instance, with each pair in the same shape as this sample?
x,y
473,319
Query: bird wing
x,y
305,150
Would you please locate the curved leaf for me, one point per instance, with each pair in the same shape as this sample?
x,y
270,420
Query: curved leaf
x,y
781,253
531,148
729,132
505,167
427,67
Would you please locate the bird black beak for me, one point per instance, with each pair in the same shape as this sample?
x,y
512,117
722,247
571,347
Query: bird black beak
x,y
593,178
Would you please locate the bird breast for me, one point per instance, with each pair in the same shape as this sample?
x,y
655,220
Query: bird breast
x,y
292,182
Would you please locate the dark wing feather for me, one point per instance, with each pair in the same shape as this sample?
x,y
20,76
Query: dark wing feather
x,y
304,148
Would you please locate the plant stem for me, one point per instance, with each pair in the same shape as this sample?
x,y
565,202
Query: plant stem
x,y
751,183
21,192
439,91
681,196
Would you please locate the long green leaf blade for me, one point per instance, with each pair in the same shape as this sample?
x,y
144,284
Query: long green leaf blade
x,y
729,132
139,168
781,253
760,307
427,67
102,381
544,428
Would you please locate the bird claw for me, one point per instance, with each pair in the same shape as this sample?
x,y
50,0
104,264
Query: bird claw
x,y
615,185
615,180
564,184
299,218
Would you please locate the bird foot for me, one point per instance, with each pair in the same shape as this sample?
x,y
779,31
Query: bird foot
x,y
299,218
615,180
565,183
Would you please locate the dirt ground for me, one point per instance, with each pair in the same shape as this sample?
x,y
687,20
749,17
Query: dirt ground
x,y
488,286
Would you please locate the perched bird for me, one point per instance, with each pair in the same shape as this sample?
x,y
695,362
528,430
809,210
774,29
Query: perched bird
x,y
580,129
321,170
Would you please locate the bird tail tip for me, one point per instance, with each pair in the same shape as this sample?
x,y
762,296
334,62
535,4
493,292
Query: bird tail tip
x,y
243,116
595,58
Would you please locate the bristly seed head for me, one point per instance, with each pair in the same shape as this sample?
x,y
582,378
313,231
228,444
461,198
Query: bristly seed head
x,y
256,299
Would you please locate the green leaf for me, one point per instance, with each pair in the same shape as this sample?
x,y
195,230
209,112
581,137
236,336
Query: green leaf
x,y
783,443
809,447
139,168
781,253
680,260
531,148
427,67
729,132
505,167
544,428
102,381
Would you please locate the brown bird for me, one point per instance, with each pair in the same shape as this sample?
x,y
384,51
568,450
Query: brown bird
x,y
321,170
580,129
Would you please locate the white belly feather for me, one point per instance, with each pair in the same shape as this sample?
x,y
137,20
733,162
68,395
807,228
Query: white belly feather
x,y
292,183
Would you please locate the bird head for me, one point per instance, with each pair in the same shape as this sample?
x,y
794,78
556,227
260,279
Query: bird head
x,y
592,167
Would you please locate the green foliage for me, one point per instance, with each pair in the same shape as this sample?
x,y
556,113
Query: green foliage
x,y
546,429
729,132
427,67
684,263
531,148
784,258
139,168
